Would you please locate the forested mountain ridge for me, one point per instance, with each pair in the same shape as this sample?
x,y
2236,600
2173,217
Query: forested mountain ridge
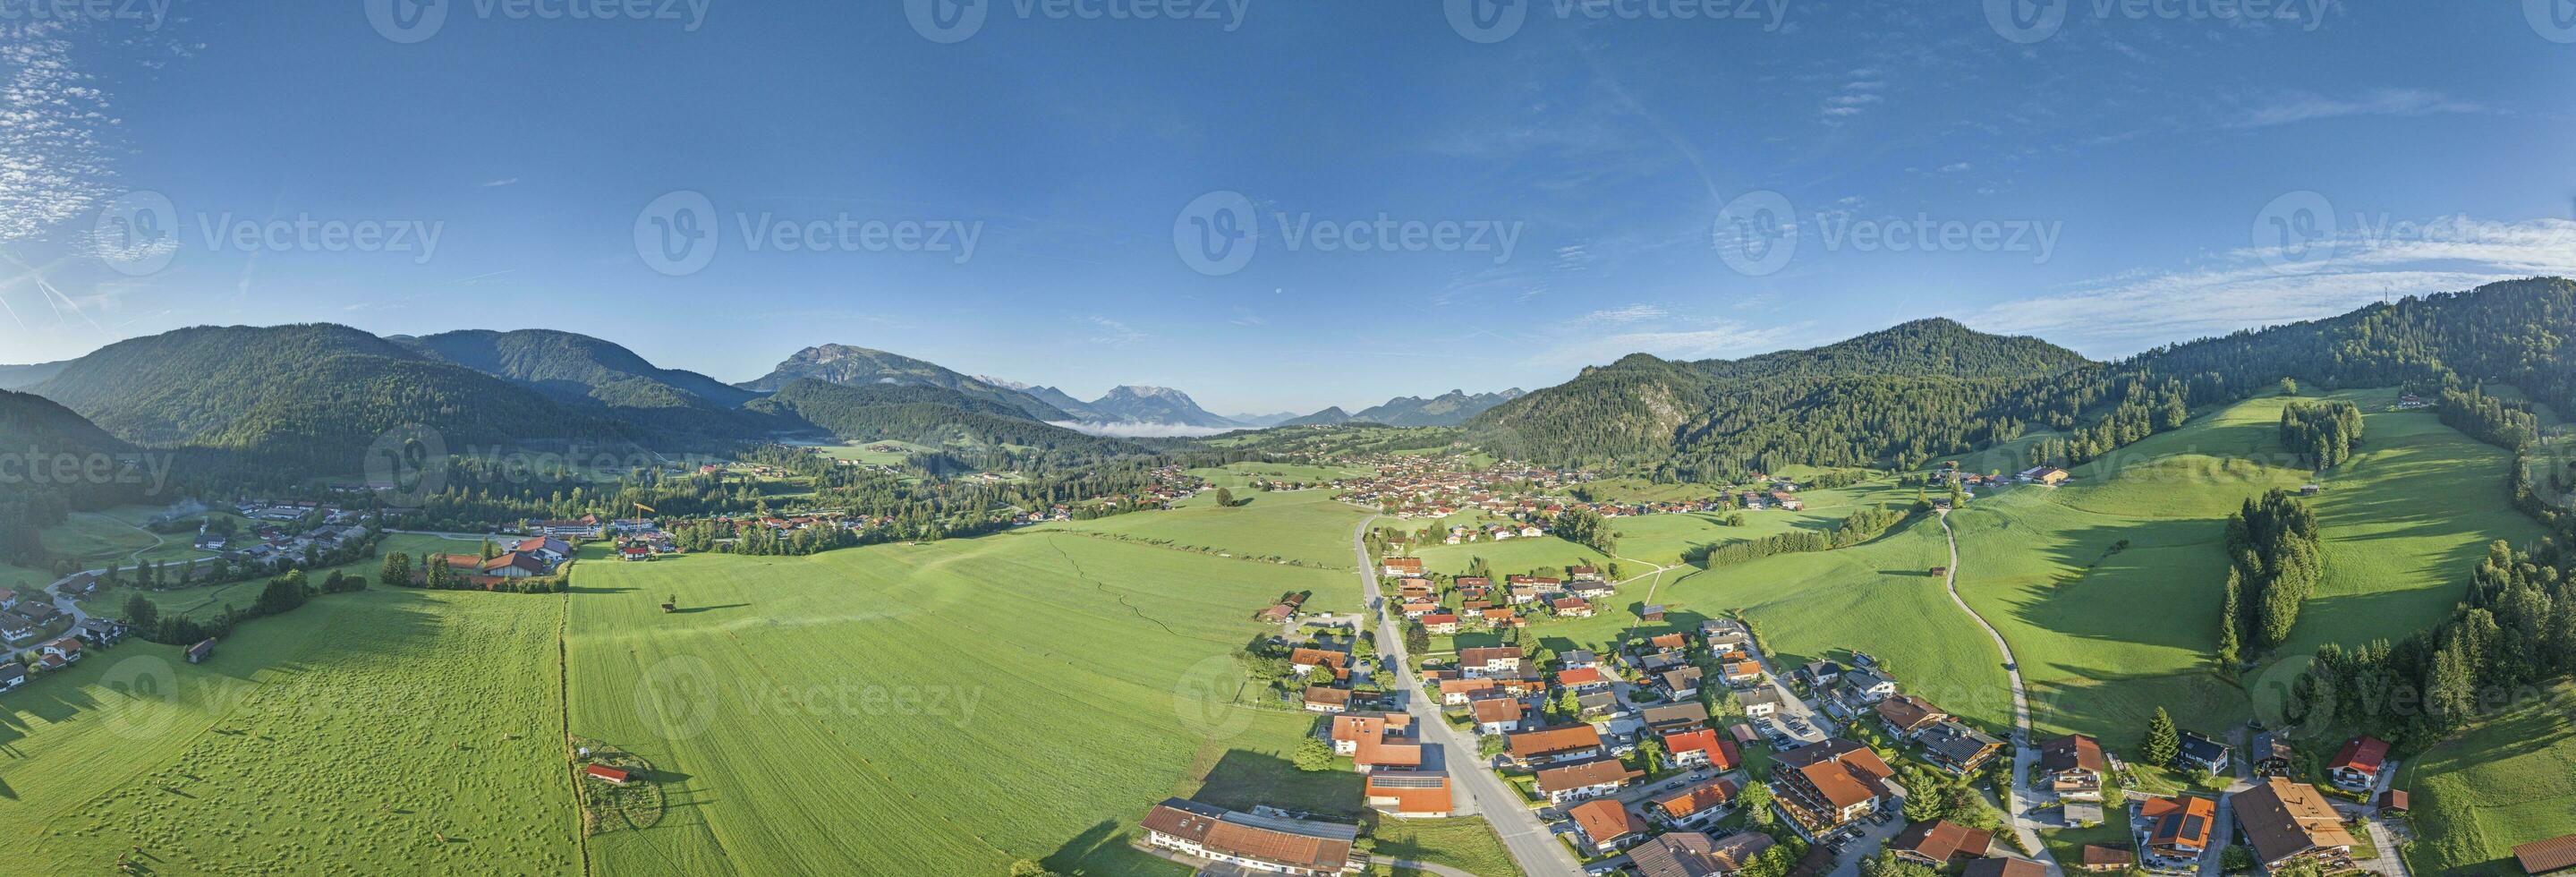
x,y
1447,409
20,377
932,416
310,395
1931,388
580,370
854,366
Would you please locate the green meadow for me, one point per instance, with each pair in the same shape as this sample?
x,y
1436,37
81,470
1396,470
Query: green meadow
x,y
2106,634
1302,527
2509,780
329,740
973,702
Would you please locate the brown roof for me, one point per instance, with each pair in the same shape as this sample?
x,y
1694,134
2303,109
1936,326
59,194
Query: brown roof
x,y
2283,818
1942,840
1319,658
1713,793
2070,753
1497,709
1678,854
2547,856
2099,856
2004,868
1906,712
1480,656
1605,820
1589,773
1328,696
1553,741
2364,754
1269,840
1844,772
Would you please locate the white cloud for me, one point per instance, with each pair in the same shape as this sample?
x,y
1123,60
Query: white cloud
x,y
506,181
1716,339
2122,315
1144,430
1114,333
1957,167
53,158
1630,314
2297,108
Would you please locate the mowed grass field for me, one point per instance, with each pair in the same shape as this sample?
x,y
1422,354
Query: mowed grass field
x,y
2106,636
2510,780
945,708
342,738
1305,527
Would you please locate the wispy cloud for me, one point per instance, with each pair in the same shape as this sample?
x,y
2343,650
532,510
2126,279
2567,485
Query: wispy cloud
x,y
2240,289
505,181
1113,333
53,155
2296,108
1710,339
1630,314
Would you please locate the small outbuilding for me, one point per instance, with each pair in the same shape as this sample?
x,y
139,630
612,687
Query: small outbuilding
x,y
606,774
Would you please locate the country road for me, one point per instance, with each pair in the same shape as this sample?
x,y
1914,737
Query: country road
x,y
2025,750
1532,846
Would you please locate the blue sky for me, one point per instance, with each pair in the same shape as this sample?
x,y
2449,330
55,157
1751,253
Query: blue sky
x,y
2120,177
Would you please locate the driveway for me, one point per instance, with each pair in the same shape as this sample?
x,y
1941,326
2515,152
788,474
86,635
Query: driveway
x,y
2025,753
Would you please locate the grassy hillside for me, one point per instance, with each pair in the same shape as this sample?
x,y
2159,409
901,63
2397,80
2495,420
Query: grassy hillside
x,y
2510,780
2106,635
1305,527
1072,671
325,741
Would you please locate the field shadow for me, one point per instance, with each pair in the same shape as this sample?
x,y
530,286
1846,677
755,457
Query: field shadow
x,y
691,610
1243,779
1100,849
593,589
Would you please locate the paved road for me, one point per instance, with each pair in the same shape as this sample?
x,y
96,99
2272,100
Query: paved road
x,y
2025,752
1532,846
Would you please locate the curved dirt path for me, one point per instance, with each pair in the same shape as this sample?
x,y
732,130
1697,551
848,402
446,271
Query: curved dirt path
x,y
2025,754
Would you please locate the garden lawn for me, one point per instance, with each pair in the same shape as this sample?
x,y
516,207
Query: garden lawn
x,y
969,702
341,738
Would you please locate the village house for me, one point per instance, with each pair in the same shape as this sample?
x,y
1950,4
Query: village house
x,y
2198,752
1818,674
1258,843
2002,867
2270,755
1586,779
1352,732
67,649
1553,745
1607,825
1571,607
1702,748
1674,716
2071,766
12,675
1824,786
1498,715
1304,661
1865,686
2178,829
1320,699
1759,702
1442,623
2100,859
2285,820
1908,716
2356,766
1681,683
1458,692
2556,855
1584,679
102,632
1404,566
1697,804
1410,794
2048,475
1940,843
1693,854
1488,661
1954,745
1742,672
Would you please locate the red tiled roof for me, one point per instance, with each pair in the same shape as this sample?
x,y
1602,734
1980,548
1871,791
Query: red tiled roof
x,y
1553,741
1605,820
2364,754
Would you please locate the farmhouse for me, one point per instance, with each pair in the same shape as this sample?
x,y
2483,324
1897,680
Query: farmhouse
x,y
1320,699
2270,755
1442,623
1571,607
1259,843
1824,786
1741,672
1305,661
2101,859
1581,780
1696,804
1410,794
1498,715
1675,716
2357,765
1354,731
2286,820
1692,854
67,649
605,774
1490,661
12,675
1582,679
1404,566
2178,829
1680,684
1938,843
2048,475
1759,702
2072,767
1607,825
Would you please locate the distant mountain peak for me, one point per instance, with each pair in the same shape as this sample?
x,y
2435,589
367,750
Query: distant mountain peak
x,y
1136,403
